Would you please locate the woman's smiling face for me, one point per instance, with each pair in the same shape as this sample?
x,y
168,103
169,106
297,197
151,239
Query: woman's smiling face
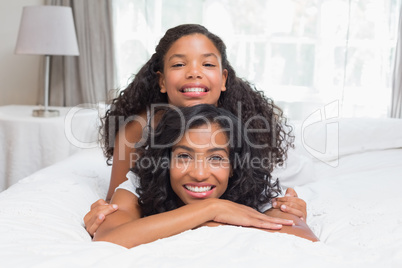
x,y
200,165
192,72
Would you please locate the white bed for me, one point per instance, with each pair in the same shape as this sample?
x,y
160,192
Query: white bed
x,y
354,207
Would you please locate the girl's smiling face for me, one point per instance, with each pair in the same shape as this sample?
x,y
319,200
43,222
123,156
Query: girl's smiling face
x,y
192,72
200,165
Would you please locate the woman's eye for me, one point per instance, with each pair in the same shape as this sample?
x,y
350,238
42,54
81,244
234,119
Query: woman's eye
x,y
183,156
218,161
216,158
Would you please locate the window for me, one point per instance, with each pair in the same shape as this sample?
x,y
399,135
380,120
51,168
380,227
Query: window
x,y
302,53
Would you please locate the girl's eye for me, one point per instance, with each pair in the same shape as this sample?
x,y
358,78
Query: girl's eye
x,y
178,65
209,65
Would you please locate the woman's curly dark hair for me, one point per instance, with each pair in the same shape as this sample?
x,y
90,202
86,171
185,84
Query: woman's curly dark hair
x,y
250,183
240,98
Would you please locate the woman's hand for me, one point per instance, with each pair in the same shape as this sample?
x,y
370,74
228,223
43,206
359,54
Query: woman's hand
x,y
228,212
94,218
290,203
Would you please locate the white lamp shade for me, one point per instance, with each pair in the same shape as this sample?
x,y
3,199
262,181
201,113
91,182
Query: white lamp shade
x,y
47,30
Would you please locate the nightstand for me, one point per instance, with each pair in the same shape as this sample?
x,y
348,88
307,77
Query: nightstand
x,y
29,143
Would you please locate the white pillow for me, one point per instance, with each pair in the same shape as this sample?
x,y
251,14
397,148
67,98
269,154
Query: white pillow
x,y
331,139
297,170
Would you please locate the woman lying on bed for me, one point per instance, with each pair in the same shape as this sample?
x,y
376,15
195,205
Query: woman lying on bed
x,y
211,175
189,67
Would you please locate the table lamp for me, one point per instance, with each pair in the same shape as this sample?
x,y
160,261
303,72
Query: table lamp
x,y
47,30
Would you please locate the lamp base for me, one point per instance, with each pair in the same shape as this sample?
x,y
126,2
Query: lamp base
x,y
45,113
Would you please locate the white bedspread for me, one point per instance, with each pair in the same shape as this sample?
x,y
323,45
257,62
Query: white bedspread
x,y
354,208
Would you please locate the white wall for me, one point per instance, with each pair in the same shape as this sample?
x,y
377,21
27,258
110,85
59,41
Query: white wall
x,y
20,75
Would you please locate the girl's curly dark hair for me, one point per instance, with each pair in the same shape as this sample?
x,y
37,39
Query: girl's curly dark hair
x,y
240,98
250,183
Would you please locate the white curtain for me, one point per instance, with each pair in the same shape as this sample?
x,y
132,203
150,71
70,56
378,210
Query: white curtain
x,y
396,101
89,77
304,54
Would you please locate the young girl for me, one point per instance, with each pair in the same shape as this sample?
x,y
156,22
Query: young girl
x,y
189,67
200,167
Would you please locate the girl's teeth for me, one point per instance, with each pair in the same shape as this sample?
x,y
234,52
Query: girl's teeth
x,y
198,189
194,89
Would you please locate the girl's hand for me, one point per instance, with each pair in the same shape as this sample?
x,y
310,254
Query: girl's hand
x,y
290,203
94,218
228,212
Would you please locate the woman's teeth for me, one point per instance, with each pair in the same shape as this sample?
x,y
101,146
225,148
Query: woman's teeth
x,y
194,89
198,189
